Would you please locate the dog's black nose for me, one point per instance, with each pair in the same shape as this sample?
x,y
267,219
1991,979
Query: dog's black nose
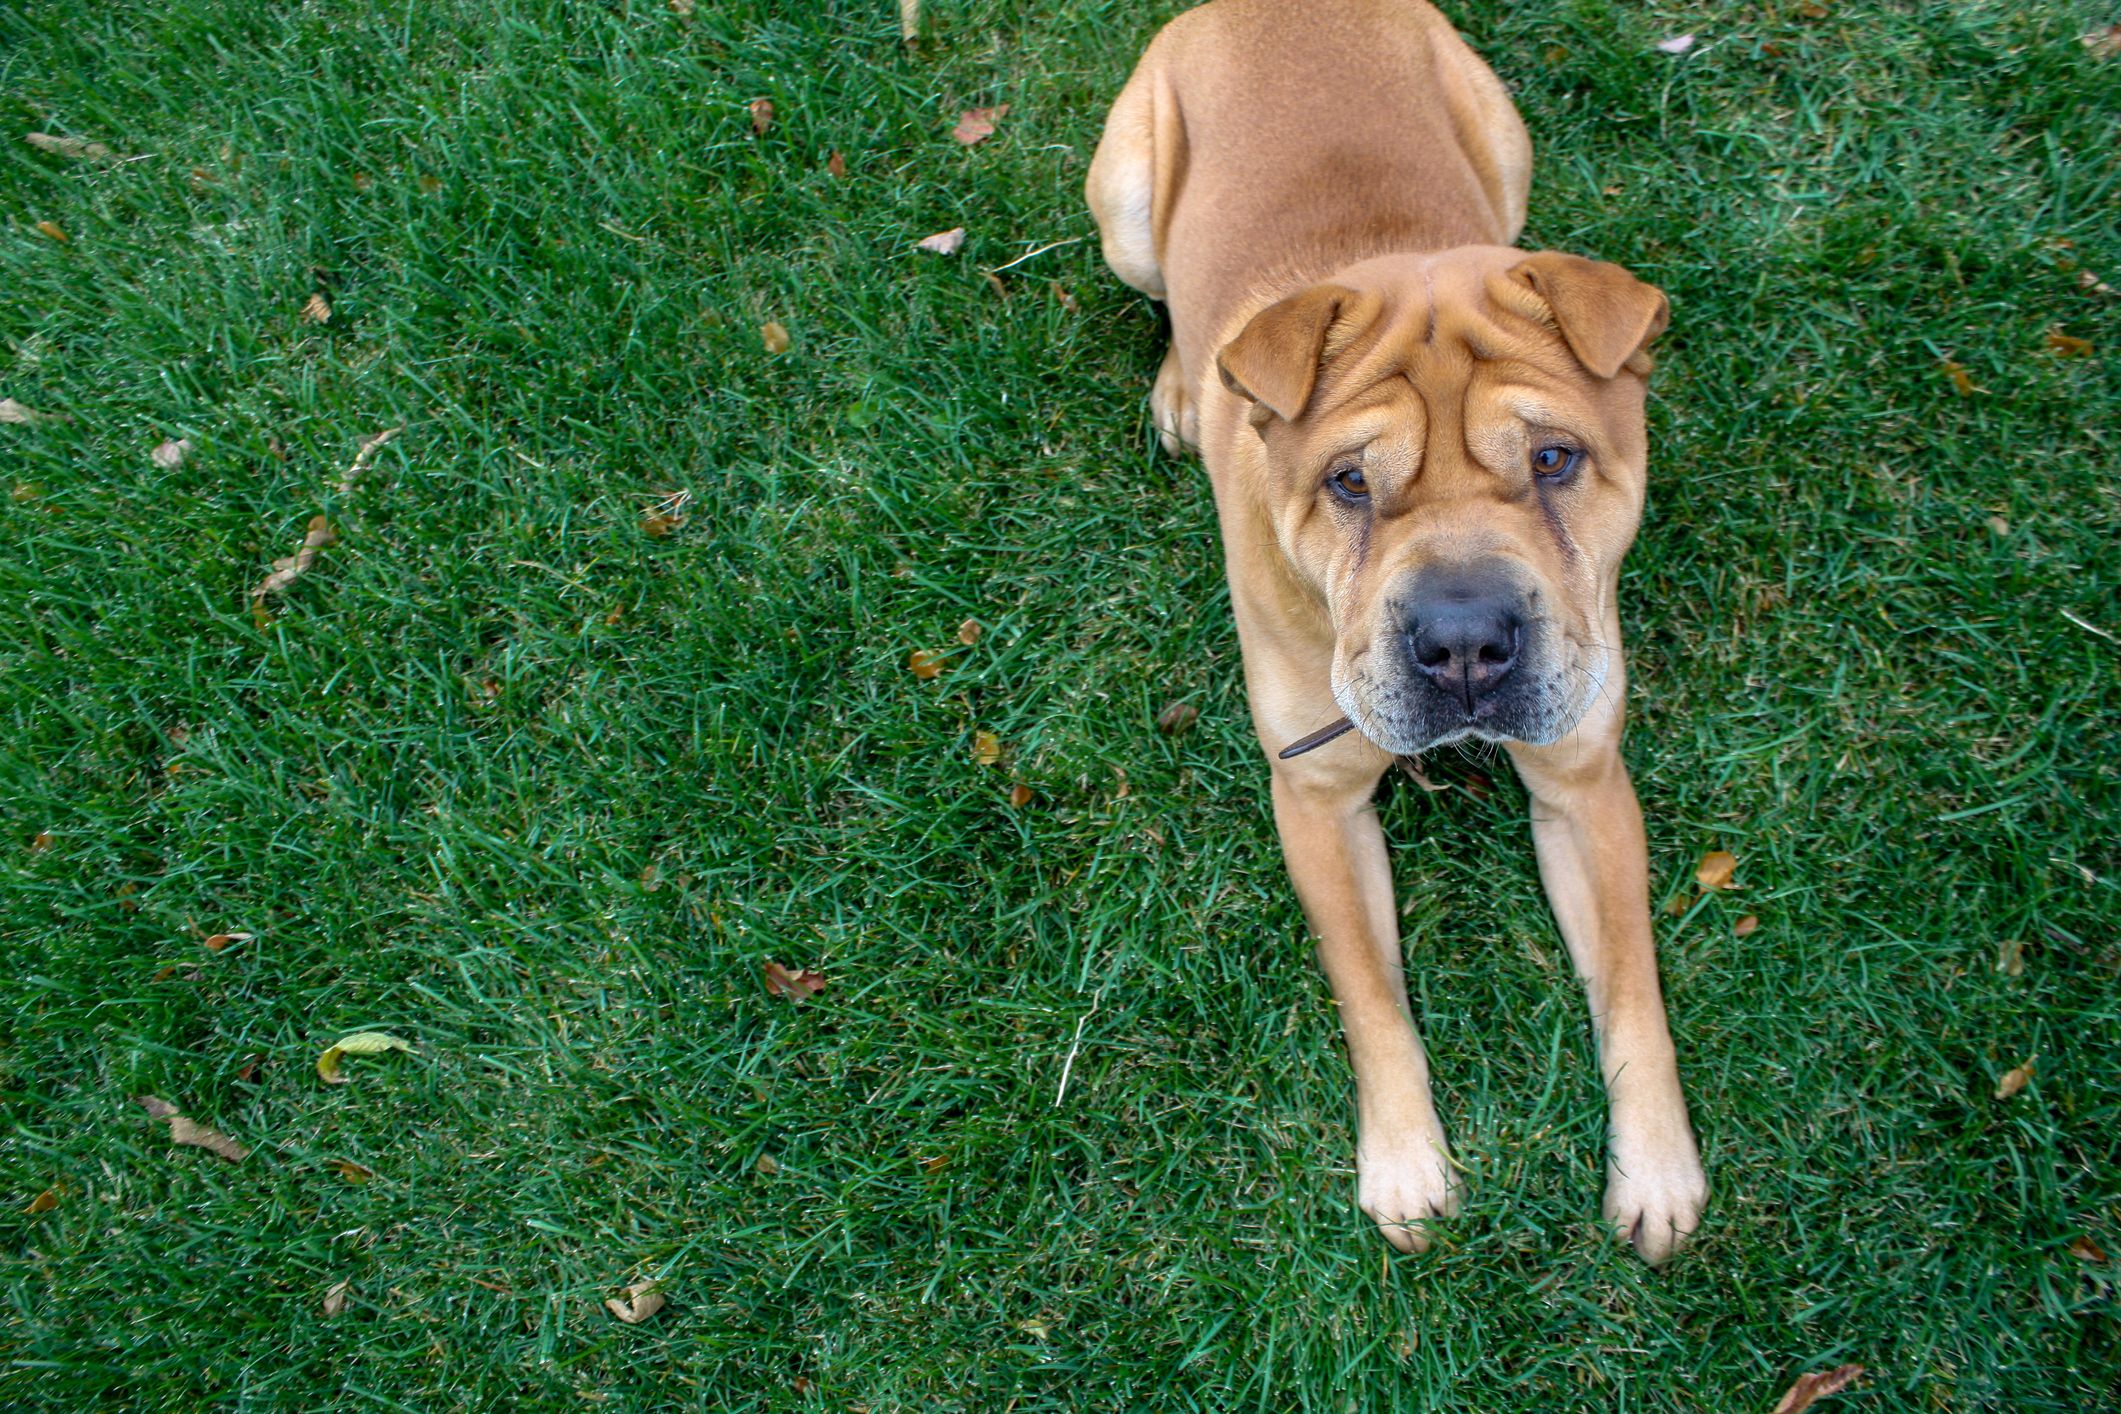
x,y
1465,626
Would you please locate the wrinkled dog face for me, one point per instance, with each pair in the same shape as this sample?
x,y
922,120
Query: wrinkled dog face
x,y
1455,464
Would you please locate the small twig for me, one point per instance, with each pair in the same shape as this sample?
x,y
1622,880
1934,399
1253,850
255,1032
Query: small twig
x,y
1073,1046
1028,254
2090,628
365,455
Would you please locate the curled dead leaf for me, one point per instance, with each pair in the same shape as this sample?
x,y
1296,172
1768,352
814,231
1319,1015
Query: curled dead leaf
x,y
924,663
796,986
363,455
218,941
944,242
360,1043
1746,926
2015,1079
80,149
1811,1388
968,632
2063,345
44,1202
775,336
335,1298
171,454
288,569
52,230
986,748
909,20
2083,1248
1060,293
40,842
1715,869
761,116
639,1301
1177,718
2010,957
184,1131
2092,285
1962,383
976,125
1020,795
351,1171
316,310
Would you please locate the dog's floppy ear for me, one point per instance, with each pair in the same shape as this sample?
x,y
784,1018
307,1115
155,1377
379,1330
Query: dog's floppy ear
x,y
1606,315
1274,360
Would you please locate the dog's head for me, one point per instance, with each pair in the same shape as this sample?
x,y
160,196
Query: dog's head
x,y
1454,461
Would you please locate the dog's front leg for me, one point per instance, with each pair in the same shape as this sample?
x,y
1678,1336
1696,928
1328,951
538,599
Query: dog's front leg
x,y
1587,828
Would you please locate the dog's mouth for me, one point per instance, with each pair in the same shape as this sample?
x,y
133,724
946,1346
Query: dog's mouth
x,y
1406,715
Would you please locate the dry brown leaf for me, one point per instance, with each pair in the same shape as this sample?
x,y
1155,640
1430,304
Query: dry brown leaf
x,y
1411,767
250,1066
363,455
351,1171
360,1043
767,1166
1715,869
1067,301
2104,43
794,985
924,663
642,1300
2010,957
218,941
79,148
1962,383
1020,795
944,242
1477,785
170,455
977,124
968,632
1812,10
1679,904
909,20
287,570
1746,926
44,1202
774,336
657,524
40,842
2083,1248
2015,1079
986,748
1816,1386
1177,718
836,165
430,183
995,283
761,116
316,310
54,230
185,1131
2092,285
681,8
2063,345
15,414
335,1298
2000,524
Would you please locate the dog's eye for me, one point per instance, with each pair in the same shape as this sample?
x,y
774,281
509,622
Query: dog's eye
x,y
1351,483
1554,462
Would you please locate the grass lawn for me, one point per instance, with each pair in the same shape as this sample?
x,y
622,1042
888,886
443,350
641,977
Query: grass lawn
x,y
538,777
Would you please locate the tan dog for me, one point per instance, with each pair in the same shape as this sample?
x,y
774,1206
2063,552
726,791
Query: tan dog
x,y
1428,456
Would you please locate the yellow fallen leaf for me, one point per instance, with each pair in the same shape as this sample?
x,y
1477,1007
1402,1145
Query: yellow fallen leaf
x,y
968,632
2063,345
1715,869
2015,1079
1020,795
775,336
351,1171
44,1202
1811,1388
184,1131
53,230
360,1043
641,1300
219,941
924,663
986,748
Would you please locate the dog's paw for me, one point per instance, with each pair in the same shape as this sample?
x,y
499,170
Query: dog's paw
x,y
1655,1193
1177,422
1402,1186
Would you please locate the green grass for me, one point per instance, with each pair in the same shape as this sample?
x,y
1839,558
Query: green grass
x,y
435,782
